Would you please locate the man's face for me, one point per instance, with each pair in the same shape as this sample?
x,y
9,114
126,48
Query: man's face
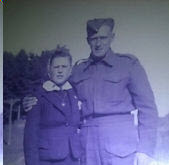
x,y
101,41
59,70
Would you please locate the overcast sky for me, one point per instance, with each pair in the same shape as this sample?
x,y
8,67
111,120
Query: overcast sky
x,y
142,29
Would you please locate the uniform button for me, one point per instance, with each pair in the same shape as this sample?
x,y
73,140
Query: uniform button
x,y
66,124
78,131
84,121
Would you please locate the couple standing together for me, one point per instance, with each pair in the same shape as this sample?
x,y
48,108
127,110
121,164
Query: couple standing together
x,y
99,129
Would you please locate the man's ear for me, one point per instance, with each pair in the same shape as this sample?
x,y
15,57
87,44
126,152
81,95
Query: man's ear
x,y
70,71
88,40
49,75
112,36
48,68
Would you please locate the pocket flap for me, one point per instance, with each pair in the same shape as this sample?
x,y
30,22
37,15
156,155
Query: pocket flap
x,y
81,78
75,145
114,78
121,150
43,144
53,148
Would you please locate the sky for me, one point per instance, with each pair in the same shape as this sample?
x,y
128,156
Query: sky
x,y
141,28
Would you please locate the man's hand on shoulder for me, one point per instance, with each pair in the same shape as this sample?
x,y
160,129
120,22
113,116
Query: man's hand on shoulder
x,y
28,102
143,159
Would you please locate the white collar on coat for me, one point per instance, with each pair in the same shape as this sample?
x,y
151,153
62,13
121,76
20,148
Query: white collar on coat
x,y
51,86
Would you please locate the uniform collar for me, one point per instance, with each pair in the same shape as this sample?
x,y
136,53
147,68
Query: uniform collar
x,y
51,86
108,60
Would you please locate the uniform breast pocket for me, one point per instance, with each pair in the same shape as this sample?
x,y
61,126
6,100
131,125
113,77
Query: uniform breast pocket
x,y
81,79
115,87
83,85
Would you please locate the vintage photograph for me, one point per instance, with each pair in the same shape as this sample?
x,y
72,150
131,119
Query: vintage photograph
x,y
85,82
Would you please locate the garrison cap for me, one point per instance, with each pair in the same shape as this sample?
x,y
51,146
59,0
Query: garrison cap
x,y
94,25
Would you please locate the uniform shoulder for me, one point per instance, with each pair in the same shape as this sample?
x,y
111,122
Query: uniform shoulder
x,y
127,57
78,68
81,62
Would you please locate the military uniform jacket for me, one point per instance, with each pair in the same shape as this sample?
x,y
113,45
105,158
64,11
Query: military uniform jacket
x,y
117,85
51,127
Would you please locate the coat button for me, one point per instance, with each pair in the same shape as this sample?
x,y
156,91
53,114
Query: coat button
x,y
66,124
75,96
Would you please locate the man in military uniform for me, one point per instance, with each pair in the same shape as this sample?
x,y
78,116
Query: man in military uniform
x,y
111,86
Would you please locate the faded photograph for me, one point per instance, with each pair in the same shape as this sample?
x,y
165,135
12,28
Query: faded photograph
x,y
86,83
